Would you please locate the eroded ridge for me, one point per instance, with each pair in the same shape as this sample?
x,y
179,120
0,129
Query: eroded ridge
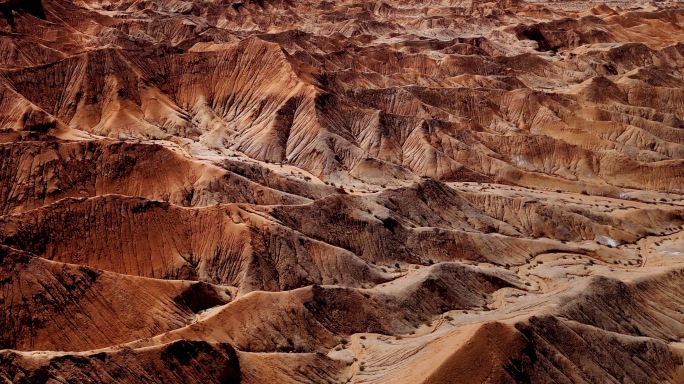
x,y
361,192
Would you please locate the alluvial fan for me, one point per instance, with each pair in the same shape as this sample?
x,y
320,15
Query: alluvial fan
x,y
396,191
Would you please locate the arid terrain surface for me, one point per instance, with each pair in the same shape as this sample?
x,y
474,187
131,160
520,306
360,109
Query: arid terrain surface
x,y
397,191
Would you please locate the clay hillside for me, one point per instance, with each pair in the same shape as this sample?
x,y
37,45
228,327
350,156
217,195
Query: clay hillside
x,y
386,191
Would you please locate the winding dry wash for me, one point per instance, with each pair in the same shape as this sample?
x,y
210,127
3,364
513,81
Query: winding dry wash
x,y
390,191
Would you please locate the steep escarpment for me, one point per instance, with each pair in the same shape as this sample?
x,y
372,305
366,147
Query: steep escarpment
x,y
56,306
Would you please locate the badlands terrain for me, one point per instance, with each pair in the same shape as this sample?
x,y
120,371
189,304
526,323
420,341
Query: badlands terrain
x,y
397,191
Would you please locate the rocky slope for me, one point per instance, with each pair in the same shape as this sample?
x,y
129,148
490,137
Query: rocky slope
x,y
454,191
